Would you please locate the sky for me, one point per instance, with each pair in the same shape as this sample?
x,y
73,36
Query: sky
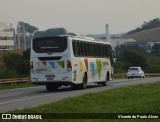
x,y
81,16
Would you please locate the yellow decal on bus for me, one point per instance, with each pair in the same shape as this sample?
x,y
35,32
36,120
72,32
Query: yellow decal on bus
x,y
80,63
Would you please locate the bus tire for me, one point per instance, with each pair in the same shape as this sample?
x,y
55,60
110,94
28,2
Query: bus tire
x,y
104,83
83,85
107,79
75,86
50,87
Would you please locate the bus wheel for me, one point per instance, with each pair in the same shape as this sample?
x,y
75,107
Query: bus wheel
x,y
104,83
74,86
50,87
83,85
107,79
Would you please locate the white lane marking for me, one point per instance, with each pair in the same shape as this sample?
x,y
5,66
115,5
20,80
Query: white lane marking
x,y
47,95
63,93
11,91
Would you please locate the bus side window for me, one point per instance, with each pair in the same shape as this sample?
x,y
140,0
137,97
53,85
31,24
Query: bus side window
x,y
103,50
98,50
83,48
87,49
95,50
74,45
91,49
78,49
106,51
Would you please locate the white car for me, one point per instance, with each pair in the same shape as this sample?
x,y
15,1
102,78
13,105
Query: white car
x,y
134,72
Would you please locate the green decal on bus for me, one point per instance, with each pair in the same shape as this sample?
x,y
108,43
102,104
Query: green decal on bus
x,y
61,63
98,62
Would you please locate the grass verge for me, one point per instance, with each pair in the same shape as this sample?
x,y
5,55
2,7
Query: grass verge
x,y
131,99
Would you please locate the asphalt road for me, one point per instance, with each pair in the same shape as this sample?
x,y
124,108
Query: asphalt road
x,y
35,96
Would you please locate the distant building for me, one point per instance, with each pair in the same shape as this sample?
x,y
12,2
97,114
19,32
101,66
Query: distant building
x,y
152,43
118,42
7,37
145,45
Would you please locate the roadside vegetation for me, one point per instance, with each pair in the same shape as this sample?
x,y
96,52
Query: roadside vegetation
x,y
14,64
14,86
128,56
131,99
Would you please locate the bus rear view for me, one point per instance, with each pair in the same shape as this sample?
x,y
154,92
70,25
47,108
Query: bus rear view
x,y
50,62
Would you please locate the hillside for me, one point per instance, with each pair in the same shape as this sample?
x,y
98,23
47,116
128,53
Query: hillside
x,y
146,35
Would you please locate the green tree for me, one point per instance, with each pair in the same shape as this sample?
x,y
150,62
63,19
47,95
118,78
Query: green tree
x,y
146,25
51,32
135,58
156,49
12,60
26,54
28,28
17,63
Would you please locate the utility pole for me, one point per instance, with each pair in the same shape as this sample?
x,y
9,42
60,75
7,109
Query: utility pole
x,y
18,36
21,32
24,38
14,38
107,33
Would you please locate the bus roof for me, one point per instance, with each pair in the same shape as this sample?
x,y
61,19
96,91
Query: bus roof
x,y
78,38
83,38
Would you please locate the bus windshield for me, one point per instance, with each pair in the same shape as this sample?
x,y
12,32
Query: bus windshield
x,y
48,44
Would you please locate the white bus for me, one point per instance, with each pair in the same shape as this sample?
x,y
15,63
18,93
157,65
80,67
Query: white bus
x,y
70,60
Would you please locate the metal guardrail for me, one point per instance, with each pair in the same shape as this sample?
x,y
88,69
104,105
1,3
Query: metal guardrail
x,y
28,80
15,81
124,75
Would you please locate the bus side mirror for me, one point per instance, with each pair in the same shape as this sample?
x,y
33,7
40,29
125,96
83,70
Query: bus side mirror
x,y
114,60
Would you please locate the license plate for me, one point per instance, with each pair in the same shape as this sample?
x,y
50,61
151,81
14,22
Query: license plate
x,y
50,78
133,74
